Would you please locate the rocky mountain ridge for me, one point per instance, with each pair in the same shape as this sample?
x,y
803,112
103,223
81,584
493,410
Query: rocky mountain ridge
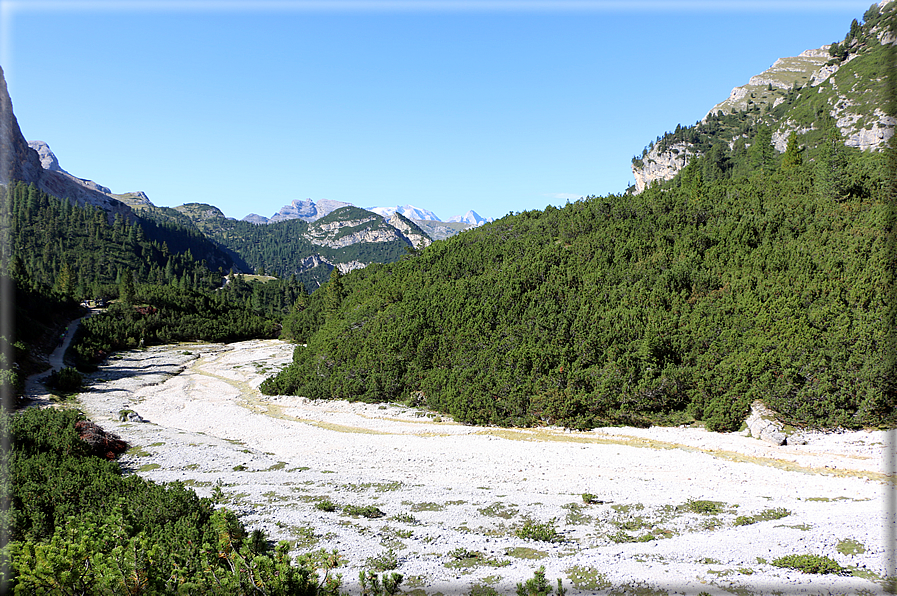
x,y
22,162
844,80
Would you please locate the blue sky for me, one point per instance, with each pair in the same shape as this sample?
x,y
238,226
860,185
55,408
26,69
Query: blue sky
x,y
495,106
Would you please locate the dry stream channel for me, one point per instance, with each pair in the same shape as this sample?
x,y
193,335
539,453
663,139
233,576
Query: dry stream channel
x,y
672,511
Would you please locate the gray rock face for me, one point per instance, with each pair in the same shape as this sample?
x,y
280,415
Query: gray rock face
x,y
256,219
764,426
415,235
307,210
17,160
21,162
47,158
662,165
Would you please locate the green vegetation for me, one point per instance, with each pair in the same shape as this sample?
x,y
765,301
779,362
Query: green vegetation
x,y
685,302
368,511
850,547
385,561
765,515
77,526
539,586
810,564
543,531
705,507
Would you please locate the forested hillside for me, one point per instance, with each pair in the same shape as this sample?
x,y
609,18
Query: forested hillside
x,y
761,279
294,246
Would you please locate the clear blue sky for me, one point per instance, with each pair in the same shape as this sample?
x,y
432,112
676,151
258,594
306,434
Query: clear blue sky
x,y
448,106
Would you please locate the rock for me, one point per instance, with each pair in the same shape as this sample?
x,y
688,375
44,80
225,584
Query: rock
x,y
764,426
129,416
103,444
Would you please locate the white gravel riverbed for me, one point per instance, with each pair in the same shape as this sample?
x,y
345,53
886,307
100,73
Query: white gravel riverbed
x,y
444,486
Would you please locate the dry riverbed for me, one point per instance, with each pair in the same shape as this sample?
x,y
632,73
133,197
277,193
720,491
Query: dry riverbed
x,y
675,511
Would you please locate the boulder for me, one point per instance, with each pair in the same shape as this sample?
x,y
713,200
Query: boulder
x,y
764,426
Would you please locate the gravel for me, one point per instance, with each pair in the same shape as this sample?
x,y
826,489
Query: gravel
x,y
444,486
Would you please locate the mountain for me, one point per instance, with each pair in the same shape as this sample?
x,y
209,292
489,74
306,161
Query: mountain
x,y
471,217
845,82
409,211
306,210
21,162
751,274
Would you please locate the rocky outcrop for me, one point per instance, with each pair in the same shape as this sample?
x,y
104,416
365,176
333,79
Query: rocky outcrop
x,y
764,426
339,234
662,165
306,210
409,229
19,161
256,219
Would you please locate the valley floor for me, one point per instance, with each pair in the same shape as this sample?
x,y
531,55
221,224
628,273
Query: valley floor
x,y
454,495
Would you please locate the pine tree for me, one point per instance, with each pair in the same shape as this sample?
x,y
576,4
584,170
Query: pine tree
x,y
333,293
792,157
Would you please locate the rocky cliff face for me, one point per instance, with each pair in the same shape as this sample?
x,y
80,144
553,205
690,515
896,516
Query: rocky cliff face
x,y
662,165
410,231
853,101
23,163
339,234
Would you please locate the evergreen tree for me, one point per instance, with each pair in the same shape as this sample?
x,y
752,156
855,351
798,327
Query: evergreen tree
x,y
333,293
792,157
126,291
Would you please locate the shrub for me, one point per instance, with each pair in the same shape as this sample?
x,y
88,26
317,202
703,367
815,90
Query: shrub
x,y
325,505
538,585
368,511
67,379
544,531
590,499
384,562
704,507
810,564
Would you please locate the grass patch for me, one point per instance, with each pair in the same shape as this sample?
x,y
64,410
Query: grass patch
x,y
850,547
460,558
587,578
385,561
499,509
405,518
704,507
326,505
522,552
765,515
148,467
810,564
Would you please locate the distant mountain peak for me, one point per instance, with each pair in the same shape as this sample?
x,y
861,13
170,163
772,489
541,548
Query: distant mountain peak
x,y
304,209
409,211
471,217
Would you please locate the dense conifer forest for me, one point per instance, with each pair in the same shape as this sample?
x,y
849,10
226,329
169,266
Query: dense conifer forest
x,y
687,301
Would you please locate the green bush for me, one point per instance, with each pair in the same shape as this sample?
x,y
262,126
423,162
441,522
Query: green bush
x,y
368,511
326,505
76,525
67,379
810,564
543,531
704,507
385,561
